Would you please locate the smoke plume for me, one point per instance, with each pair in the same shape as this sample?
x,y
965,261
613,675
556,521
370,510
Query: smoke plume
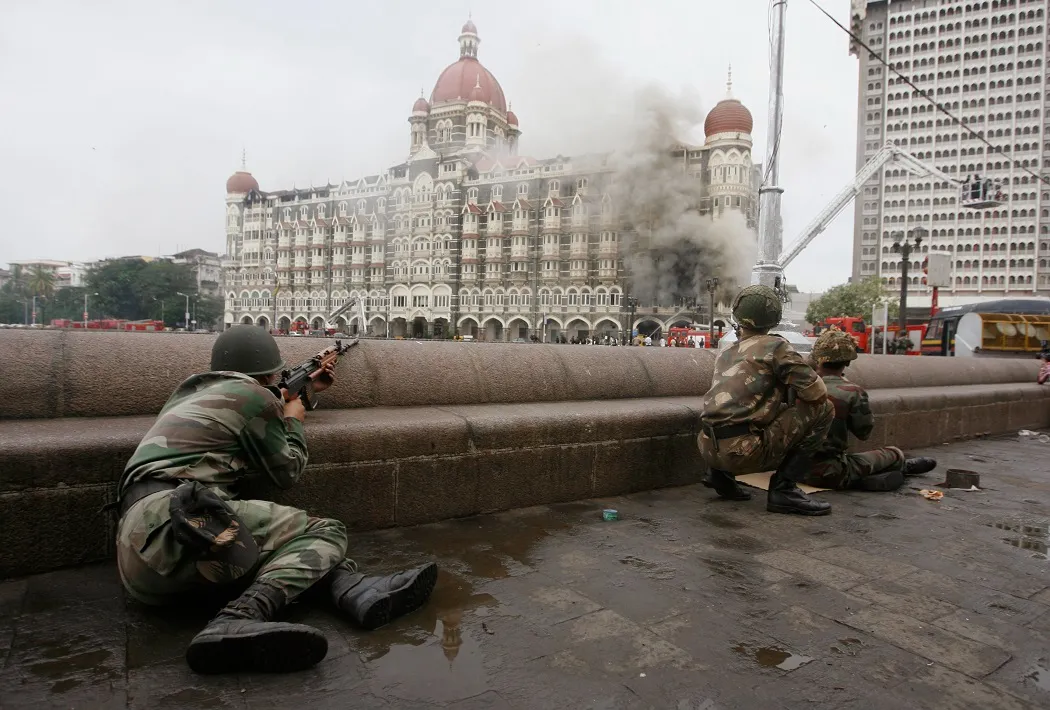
x,y
673,247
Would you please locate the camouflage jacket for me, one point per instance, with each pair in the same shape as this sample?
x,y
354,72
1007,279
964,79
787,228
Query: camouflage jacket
x,y
852,415
751,381
216,428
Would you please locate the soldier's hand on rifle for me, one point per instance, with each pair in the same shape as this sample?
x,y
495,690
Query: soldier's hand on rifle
x,y
323,378
294,408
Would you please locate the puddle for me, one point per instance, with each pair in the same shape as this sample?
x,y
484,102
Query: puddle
x,y
1027,543
773,657
652,570
1040,676
440,616
721,521
69,665
1041,530
847,647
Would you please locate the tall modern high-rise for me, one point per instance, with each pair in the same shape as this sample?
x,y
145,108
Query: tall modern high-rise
x,y
984,62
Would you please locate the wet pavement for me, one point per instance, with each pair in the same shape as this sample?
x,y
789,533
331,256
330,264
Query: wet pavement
x,y
686,602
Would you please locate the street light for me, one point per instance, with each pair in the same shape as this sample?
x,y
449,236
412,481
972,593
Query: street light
x,y
632,304
902,245
186,322
712,286
86,308
161,308
42,298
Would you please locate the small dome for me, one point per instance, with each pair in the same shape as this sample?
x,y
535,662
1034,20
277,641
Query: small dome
x,y
241,182
728,116
512,118
469,28
421,105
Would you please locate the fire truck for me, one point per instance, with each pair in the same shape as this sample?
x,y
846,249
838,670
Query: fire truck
x,y
699,337
856,327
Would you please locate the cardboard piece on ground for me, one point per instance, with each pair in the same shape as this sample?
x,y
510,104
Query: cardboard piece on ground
x,y
761,480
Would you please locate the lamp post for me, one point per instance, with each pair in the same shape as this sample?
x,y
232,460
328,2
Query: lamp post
x,y
186,322
25,310
161,310
632,304
42,298
712,286
86,308
904,244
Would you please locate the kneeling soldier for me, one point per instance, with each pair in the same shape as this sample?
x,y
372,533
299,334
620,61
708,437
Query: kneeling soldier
x,y
766,409
877,470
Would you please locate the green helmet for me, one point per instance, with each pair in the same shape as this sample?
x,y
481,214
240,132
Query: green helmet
x,y
834,345
757,307
248,349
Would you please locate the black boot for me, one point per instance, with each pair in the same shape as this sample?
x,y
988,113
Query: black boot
x,y
371,602
786,497
244,638
882,482
918,466
725,485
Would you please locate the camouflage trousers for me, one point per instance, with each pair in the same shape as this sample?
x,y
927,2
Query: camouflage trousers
x,y
295,551
845,471
802,426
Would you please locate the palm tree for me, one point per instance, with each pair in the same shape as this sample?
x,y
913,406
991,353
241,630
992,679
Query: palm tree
x,y
41,281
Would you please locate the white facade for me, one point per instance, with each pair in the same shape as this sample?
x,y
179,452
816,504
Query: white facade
x,y
985,62
466,235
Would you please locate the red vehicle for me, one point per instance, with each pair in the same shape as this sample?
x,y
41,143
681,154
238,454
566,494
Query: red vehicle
x,y
847,324
111,324
700,338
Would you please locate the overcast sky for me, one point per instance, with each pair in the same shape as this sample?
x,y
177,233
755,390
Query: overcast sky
x,y
122,120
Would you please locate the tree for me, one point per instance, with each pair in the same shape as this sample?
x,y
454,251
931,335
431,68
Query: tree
x,y
41,282
135,289
853,300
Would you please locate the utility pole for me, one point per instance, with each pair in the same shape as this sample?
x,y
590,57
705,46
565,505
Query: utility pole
x,y
767,270
712,285
186,322
86,307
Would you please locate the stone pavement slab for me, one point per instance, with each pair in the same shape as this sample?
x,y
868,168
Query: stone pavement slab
x,y
686,602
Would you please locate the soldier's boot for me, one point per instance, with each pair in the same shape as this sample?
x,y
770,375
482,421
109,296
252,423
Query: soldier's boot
x,y
882,482
918,466
371,602
725,485
786,497
243,638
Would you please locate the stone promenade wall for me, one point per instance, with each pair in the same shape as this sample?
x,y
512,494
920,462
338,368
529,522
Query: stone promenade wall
x,y
421,431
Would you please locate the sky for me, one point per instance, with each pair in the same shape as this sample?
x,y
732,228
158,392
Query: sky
x,y
122,120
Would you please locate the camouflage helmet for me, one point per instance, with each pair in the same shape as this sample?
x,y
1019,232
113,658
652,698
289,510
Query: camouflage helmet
x,y
757,307
834,345
249,349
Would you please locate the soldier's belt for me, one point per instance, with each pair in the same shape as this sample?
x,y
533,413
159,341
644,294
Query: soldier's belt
x,y
729,431
139,490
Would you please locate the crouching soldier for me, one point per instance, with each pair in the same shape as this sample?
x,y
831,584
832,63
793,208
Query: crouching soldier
x,y
183,533
766,409
878,470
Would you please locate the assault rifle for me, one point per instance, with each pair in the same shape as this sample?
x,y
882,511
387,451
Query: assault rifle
x,y
298,381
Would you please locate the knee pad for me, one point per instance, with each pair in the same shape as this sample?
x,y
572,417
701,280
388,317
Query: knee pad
x,y
882,482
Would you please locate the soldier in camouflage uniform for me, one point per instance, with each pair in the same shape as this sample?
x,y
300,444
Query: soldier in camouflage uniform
x,y
183,532
878,470
766,409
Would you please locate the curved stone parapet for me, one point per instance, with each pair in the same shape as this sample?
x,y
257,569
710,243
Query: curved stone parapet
x,y
894,372
101,374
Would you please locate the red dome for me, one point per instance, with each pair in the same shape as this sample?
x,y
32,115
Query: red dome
x,y
469,27
241,182
421,105
458,80
512,118
728,116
